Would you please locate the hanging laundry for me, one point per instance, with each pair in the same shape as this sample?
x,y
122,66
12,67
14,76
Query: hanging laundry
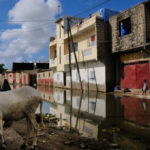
x,y
123,32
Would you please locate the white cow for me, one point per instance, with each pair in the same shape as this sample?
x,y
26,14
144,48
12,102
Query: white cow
x,y
18,104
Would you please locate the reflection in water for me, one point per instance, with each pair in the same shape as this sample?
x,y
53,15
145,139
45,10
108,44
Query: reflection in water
x,y
45,108
122,120
136,110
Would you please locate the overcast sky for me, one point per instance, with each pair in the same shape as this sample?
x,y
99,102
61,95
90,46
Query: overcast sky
x,y
26,25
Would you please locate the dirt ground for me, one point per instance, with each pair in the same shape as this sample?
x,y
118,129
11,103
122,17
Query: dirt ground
x,y
133,93
50,138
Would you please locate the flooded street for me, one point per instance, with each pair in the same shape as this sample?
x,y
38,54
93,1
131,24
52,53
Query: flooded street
x,y
124,121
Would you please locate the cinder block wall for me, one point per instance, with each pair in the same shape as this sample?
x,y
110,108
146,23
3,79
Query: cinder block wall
x,y
137,37
105,53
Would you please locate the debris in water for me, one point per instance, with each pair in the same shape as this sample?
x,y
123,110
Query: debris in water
x,y
48,118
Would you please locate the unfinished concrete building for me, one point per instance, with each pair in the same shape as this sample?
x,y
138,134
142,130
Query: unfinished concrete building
x,y
131,44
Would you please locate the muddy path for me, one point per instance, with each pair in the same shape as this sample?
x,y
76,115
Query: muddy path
x,y
50,138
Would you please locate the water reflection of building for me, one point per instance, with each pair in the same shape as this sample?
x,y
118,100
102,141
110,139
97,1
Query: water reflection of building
x,y
84,115
45,108
91,109
98,112
136,110
46,93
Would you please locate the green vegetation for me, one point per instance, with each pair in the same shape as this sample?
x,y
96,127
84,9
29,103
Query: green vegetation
x,y
2,69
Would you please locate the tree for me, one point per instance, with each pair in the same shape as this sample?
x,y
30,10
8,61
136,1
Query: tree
x,y
2,69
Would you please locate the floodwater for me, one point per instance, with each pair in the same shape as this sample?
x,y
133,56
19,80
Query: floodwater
x,y
124,121
118,120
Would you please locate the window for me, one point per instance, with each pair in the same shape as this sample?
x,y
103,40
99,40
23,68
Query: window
x,y
91,41
60,55
92,75
58,77
54,54
43,74
58,97
39,75
125,27
77,76
75,47
59,31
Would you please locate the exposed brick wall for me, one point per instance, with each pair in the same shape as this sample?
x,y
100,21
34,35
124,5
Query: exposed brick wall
x,y
137,37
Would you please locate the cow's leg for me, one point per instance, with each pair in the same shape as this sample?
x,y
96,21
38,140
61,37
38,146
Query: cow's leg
x,y
29,129
1,132
34,126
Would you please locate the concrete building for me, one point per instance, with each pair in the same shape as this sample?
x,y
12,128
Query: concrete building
x,y
25,73
27,77
45,78
93,51
131,44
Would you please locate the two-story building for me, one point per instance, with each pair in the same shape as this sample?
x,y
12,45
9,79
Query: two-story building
x,y
93,50
131,44
45,78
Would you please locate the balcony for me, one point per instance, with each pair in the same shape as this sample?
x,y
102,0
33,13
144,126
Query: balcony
x,y
53,42
53,62
86,24
83,55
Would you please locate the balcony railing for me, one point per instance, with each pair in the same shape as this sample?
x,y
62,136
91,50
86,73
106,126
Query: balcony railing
x,y
87,52
83,55
53,62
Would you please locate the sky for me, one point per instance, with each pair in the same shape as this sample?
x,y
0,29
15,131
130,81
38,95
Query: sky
x,y
27,25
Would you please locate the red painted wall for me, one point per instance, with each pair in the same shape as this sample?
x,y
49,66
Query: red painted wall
x,y
45,81
134,75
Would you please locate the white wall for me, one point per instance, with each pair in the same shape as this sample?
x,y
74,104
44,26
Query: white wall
x,y
58,77
90,72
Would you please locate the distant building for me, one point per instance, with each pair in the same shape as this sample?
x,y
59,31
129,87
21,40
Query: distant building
x,y
19,66
24,73
45,78
42,65
27,77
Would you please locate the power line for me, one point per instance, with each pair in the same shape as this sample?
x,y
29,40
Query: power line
x,y
96,6
49,20
53,20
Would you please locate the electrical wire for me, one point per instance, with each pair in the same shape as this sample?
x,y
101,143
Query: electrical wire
x,y
50,20
87,10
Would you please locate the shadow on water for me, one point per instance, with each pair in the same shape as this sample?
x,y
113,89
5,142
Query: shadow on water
x,y
117,120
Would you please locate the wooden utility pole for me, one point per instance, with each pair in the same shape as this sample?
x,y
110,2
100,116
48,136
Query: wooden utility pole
x,y
79,111
70,70
77,65
70,40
